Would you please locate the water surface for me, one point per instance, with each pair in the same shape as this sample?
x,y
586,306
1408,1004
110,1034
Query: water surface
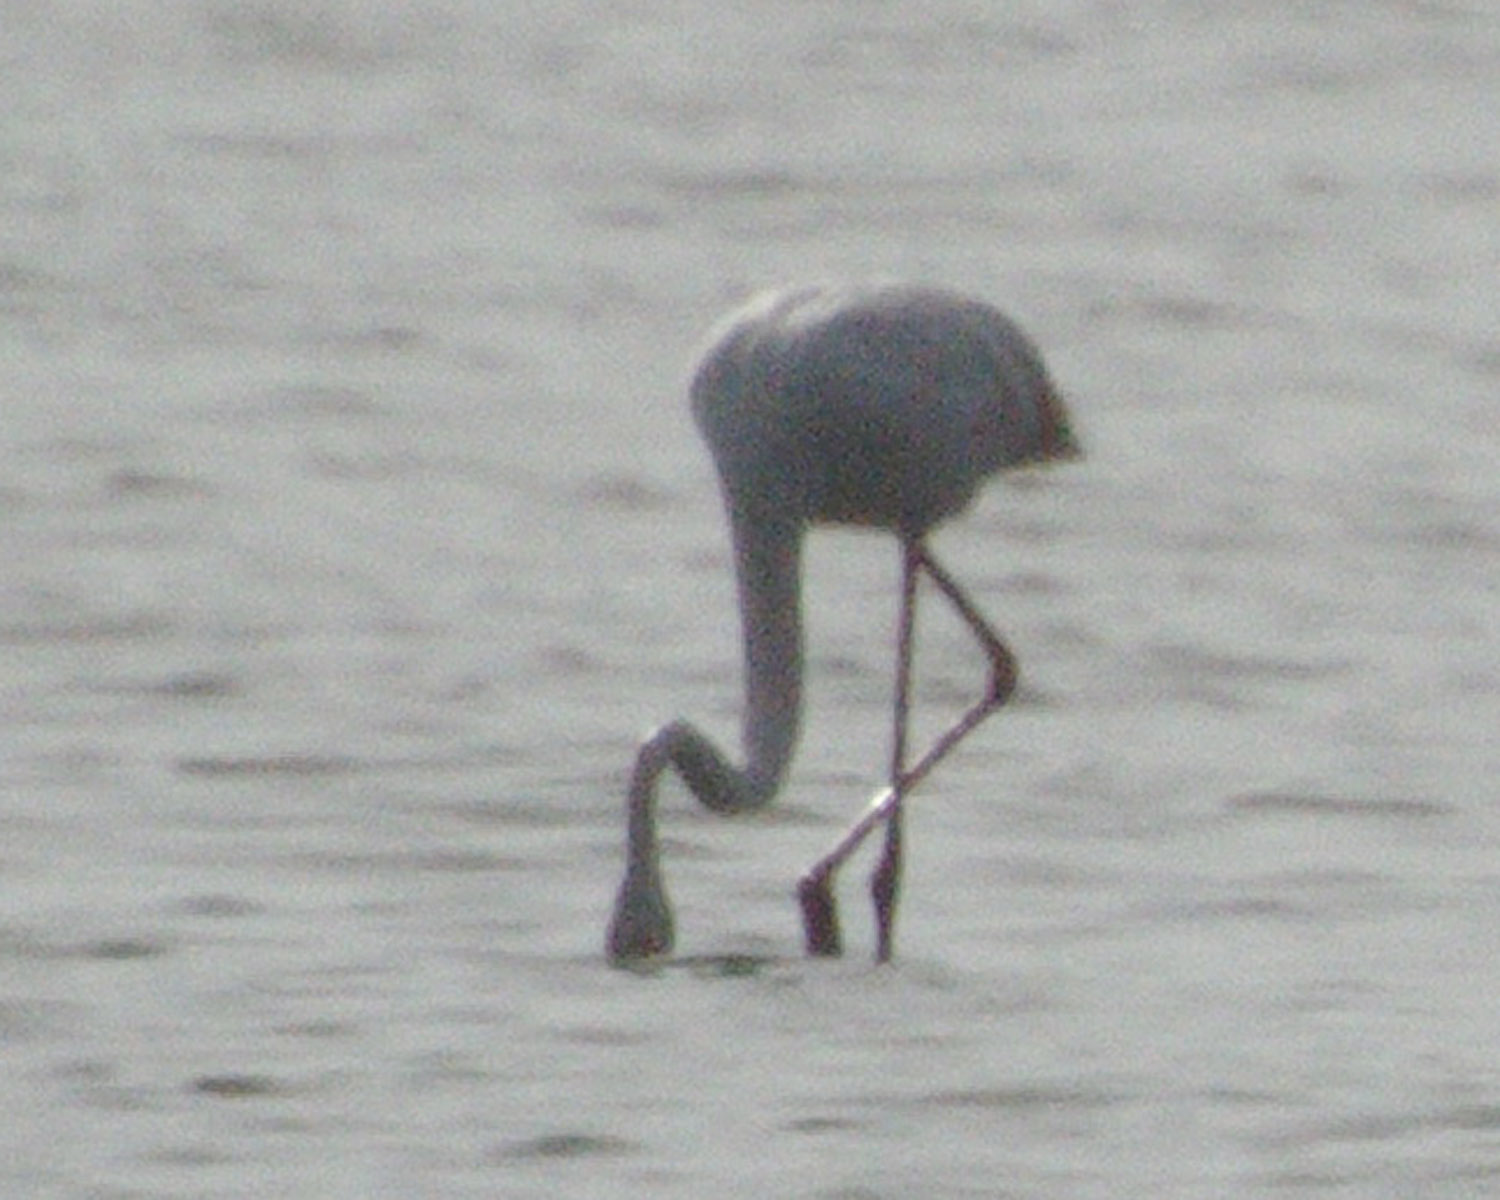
x,y
355,529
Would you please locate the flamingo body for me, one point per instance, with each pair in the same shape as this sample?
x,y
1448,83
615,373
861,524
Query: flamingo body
x,y
884,406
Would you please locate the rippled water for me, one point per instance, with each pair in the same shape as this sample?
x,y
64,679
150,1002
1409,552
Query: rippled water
x,y
355,529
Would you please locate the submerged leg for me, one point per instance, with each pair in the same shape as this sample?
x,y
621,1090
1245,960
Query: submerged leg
x,y
815,888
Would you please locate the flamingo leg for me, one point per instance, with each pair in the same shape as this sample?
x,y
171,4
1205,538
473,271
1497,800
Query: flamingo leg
x,y
885,883
815,888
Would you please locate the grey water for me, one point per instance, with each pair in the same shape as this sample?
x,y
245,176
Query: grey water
x,y
355,529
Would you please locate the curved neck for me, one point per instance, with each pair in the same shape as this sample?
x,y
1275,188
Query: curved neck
x,y
768,559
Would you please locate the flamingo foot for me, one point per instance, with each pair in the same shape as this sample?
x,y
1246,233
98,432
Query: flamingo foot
x,y
820,915
885,886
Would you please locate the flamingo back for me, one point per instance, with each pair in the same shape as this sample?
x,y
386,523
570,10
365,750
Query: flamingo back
x,y
883,405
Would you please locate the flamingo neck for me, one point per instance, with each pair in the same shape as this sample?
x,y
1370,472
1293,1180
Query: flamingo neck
x,y
768,564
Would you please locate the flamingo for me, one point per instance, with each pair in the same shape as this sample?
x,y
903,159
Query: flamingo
x,y
884,406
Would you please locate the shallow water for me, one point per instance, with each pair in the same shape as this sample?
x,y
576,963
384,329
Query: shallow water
x,y
356,528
